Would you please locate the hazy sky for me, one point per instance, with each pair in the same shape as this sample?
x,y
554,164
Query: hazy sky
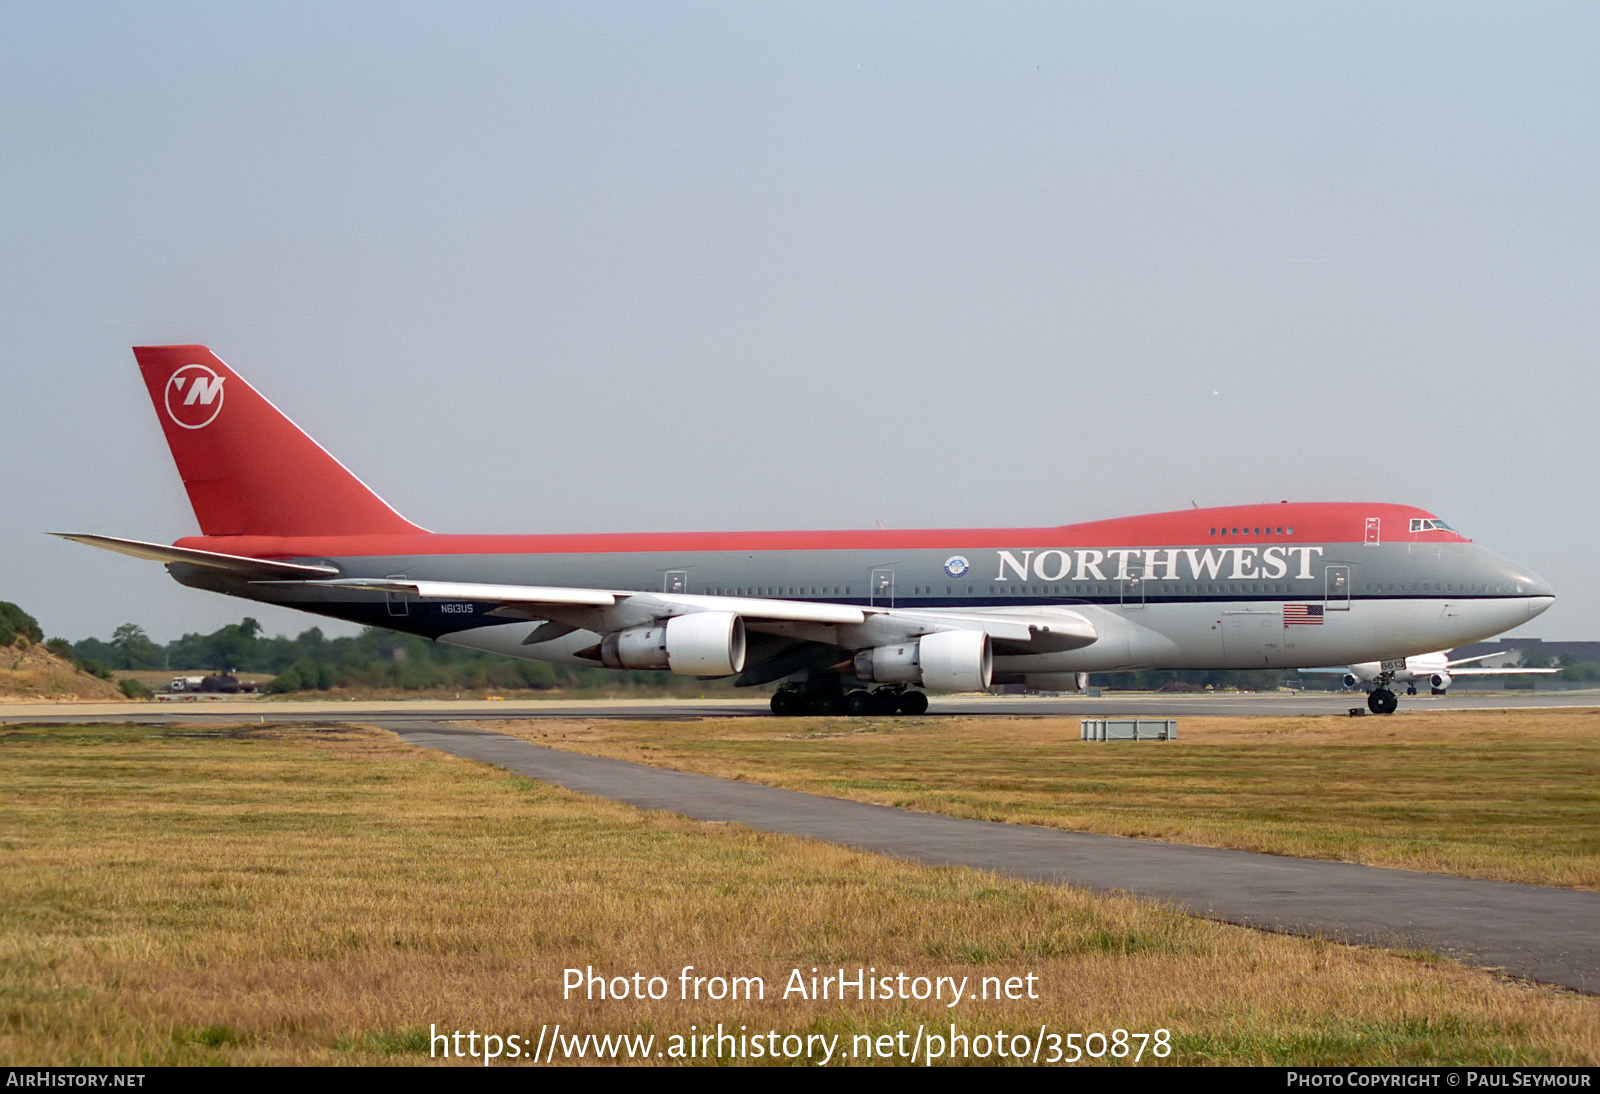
x,y
596,267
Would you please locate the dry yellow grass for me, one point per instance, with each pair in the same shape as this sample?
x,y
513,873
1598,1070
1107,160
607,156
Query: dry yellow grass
x,y
276,895
1512,795
29,673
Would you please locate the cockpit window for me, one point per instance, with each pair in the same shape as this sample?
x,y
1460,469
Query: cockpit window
x,y
1429,524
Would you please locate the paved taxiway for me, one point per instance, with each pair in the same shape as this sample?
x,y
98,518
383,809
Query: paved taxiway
x,y
1542,933
1078,706
1530,931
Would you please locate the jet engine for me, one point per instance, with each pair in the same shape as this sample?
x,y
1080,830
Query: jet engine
x,y
942,661
700,644
1351,680
1439,681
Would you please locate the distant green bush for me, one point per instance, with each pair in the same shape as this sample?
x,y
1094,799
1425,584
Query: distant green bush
x,y
135,689
286,681
304,675
15,623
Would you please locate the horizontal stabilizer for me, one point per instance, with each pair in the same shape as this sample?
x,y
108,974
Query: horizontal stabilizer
x,y
236,564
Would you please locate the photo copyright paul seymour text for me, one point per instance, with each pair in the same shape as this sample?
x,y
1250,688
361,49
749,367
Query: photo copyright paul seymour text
x,y
1460,1078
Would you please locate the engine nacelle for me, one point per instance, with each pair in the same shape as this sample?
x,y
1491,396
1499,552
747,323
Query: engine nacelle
x,y
890,664
1439,681
1351,680
700,644
942,661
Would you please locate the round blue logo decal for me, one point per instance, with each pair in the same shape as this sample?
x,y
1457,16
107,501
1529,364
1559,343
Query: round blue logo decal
x,y
955,566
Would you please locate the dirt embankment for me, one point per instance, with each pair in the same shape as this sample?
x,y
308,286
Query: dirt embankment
x,y
30,673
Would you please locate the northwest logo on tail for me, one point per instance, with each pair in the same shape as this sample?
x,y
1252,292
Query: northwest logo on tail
x,y
194,396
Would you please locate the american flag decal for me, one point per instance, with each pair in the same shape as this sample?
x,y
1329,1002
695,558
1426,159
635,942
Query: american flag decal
x,y
1302,614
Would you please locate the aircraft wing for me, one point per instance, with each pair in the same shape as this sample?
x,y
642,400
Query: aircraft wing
x,y
469,590
1502,672
1470,660
1454,671
843,625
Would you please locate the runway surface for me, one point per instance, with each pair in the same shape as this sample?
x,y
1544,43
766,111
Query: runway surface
x,y
1199,705
1529,931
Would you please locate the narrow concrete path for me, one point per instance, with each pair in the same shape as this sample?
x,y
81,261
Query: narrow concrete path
x,y
1544,934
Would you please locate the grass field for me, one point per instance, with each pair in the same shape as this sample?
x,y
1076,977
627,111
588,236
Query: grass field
x,y
1509,795
269,894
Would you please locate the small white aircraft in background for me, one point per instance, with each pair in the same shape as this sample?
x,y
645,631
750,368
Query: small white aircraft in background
x,y
1433,668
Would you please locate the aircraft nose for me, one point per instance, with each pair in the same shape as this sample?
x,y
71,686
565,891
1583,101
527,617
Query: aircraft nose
x,y
1539,592
1507,577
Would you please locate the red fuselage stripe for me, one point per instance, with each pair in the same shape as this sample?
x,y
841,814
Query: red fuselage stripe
x,y
1246,525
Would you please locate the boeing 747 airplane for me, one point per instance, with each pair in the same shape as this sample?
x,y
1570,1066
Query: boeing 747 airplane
x,y
852,621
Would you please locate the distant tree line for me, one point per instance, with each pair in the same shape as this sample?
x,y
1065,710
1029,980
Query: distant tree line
x,y
372,659
385,659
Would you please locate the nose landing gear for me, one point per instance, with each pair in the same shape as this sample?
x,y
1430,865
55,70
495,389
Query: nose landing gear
x,y
1381,700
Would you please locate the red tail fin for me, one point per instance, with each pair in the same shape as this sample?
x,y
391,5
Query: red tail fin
x,y
249,470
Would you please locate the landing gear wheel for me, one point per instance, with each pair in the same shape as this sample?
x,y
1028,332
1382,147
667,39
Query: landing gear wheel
x,y
785,701
913,702
859,702
1411,689
886,700
1382,701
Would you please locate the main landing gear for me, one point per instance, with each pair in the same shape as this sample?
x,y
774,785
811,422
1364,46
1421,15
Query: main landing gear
x,y
828,696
